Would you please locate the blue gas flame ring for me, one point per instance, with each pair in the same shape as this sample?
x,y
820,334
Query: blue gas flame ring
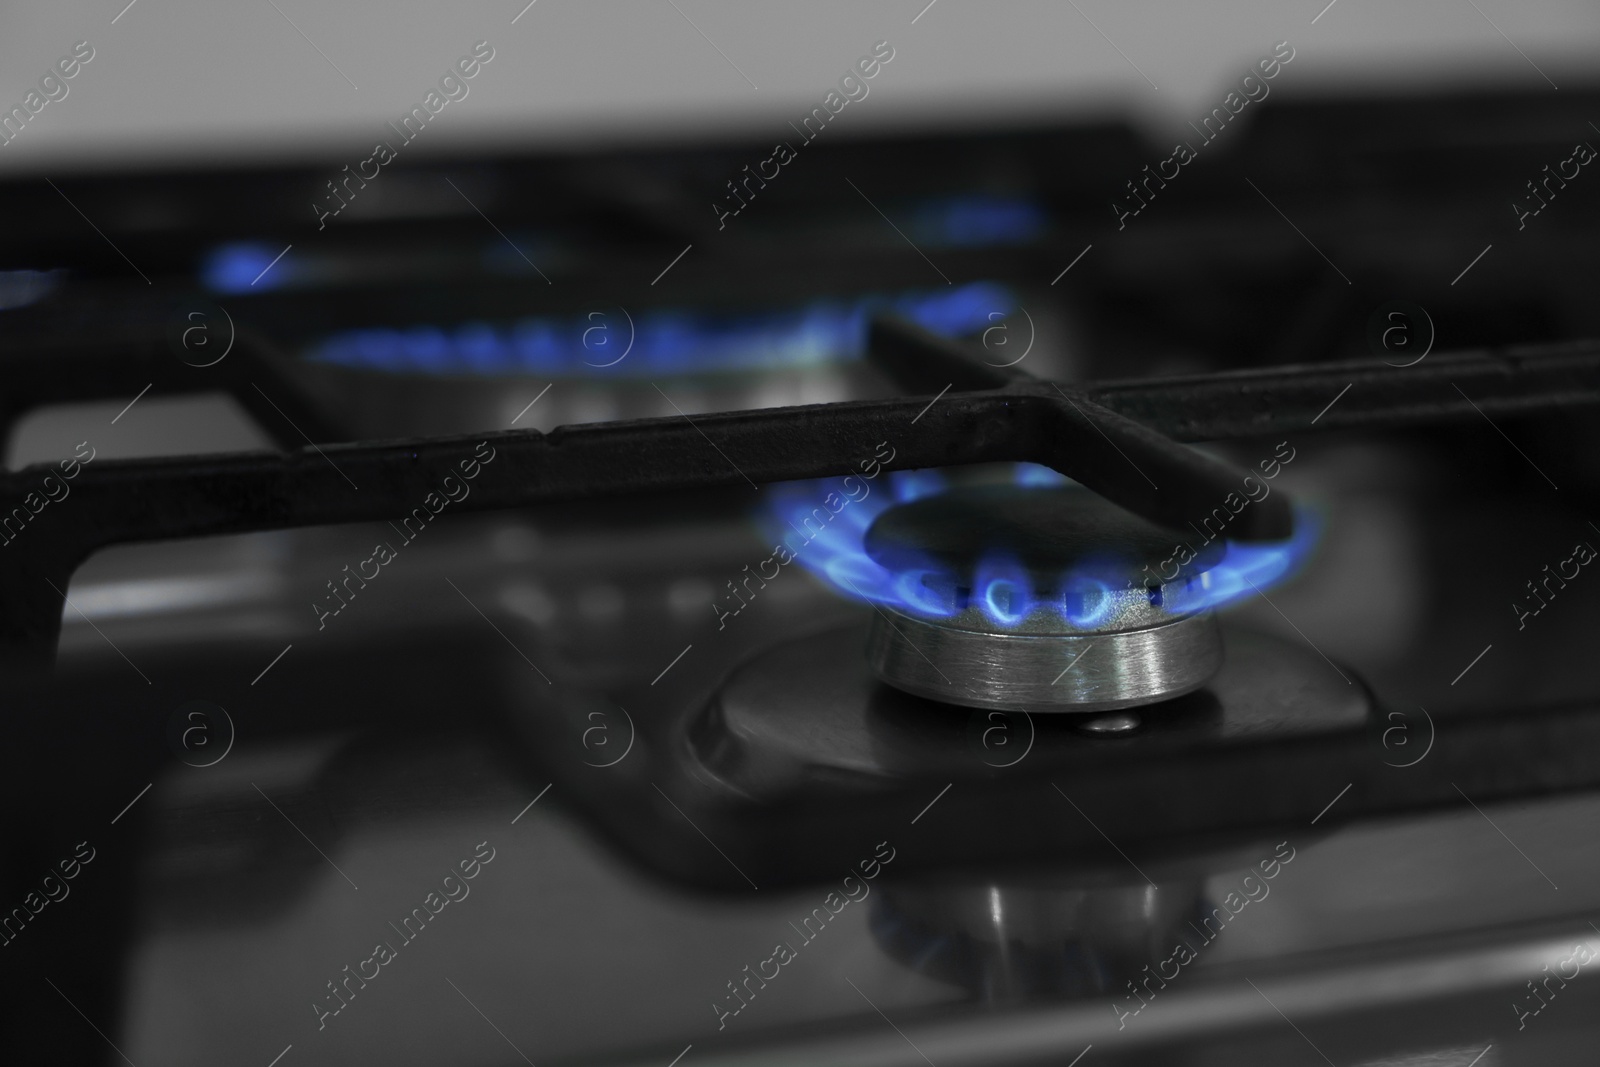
x,y
666,341
1000,592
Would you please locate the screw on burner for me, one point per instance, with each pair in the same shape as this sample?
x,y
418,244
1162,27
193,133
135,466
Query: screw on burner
x,y
1036,599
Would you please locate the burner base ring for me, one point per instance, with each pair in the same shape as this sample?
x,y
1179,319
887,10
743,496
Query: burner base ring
x,y
1080,672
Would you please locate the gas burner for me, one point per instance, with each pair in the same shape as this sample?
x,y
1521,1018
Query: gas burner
x,y
1041,600
809,710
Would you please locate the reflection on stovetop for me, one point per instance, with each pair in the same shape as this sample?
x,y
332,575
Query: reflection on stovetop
x,y
554,920
241,937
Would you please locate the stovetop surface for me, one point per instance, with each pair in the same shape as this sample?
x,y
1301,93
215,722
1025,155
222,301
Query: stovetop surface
x,y
379,763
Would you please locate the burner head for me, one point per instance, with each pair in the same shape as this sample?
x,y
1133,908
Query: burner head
x,y
1038,599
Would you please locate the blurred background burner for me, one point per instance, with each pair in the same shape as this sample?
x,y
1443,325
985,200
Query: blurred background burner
x,y
1039,599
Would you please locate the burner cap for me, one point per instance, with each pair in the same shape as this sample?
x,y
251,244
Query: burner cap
x,y
1047,530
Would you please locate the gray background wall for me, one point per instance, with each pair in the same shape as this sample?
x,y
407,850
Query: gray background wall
x,y
177,79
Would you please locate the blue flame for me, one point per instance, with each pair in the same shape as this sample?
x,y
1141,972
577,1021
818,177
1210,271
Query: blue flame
x,y
664,341
234,268
1085,600
977,220
830,544
928,592
1247,568
795,511
1037,474
1003,590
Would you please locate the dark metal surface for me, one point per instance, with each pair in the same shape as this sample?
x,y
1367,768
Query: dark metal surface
x,y
1446,387
112,363
922,362
119,501
1123,460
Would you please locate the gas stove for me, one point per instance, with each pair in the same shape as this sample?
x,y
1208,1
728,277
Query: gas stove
x,y
793,653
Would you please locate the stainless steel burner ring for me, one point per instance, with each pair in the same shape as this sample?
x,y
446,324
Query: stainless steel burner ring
x,y
1044,672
